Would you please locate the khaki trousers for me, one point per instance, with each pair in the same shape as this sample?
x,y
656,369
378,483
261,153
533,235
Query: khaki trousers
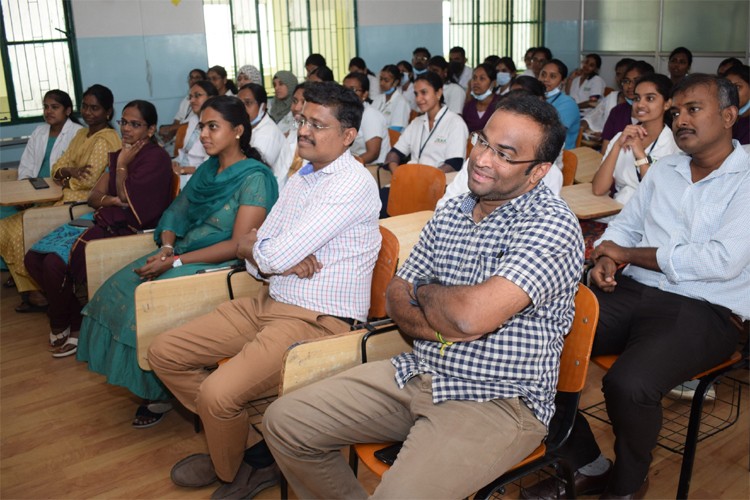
x,y
255,333
451,449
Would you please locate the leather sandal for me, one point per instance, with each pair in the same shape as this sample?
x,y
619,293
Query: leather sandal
x,y
56,340
69,348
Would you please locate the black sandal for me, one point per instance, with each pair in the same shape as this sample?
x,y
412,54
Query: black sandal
x,y
145,418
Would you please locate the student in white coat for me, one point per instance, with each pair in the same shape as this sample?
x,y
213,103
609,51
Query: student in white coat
x,y
453,93
372,141
192,155
390,102
266,136
49,140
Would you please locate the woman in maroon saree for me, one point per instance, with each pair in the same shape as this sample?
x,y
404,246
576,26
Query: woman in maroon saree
x,y
129,197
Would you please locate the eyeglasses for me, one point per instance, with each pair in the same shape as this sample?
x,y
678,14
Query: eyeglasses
x,y
626,81
420,58
538,59
315,127
498,156
197,95
134,124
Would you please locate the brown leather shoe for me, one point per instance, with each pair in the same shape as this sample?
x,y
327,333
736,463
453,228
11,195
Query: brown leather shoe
x,y
640,493
194,471
552,488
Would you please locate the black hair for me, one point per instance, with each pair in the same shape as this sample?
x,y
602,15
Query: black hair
x,y
259,92
545,115
299,86
421,50
315,60
682,50
561,67
207,87
529,52
530,84
455,69
642,67
324,73
741,70
625,61
394,71
407,64
105,98
493,60
489,70
360,63
598,60
232,110
508,61
458,49
63,99
438,61
663,86
726,92
546,51
199,71
433,80
219,70
729,61
364,82
343,103
148,113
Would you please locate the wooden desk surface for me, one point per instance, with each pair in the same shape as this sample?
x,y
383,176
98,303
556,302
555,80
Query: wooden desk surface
x,y
22,192
407,229
586,205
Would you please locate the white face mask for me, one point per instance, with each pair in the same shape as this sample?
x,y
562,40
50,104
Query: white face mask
x,y
258,118
420,71
503,78
552,93
483,96
404,78
390,91
744,108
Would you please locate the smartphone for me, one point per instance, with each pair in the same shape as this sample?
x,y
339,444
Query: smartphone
x,y
388,455
39,183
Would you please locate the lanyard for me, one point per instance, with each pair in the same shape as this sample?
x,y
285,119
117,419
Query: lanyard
x,y
424,144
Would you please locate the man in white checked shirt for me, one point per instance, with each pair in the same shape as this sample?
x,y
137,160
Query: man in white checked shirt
x,y
317,248
487,294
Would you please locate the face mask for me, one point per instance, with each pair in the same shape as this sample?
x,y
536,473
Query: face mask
x,y
552,93
420,71
629,101
483,96
503,78
404,78
744,108
390,91
259,117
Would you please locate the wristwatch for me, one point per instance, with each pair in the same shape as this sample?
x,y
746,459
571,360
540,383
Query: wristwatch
x,y
643,161
416,284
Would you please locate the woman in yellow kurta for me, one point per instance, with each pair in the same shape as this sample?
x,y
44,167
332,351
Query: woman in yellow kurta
x,y
77,171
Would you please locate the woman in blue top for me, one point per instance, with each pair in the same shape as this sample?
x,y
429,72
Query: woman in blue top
x,y
553,77
228,196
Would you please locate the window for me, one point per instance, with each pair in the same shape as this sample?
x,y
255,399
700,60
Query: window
x,y
36,56
276,35
501,27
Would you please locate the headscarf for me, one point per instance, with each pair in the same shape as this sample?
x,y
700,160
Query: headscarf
x,y
206,192
281,107
252,73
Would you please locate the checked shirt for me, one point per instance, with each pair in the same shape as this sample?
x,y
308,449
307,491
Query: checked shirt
x,y
533,241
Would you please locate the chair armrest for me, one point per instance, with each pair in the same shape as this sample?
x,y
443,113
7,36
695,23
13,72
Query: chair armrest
x,y
166,304
107,256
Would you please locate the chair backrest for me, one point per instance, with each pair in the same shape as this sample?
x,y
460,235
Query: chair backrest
x,y
413,114
393,136
570,165
179,138
579,139
175,188
588,163
385,268
415,187
574,360
607,91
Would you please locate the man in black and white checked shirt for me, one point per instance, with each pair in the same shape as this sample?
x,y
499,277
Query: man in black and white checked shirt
x,y
488,295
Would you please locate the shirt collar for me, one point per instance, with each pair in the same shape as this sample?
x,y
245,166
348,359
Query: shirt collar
x,y
518,204
336,165
737,161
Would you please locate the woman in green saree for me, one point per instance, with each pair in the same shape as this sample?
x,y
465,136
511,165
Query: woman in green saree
x,y
227,197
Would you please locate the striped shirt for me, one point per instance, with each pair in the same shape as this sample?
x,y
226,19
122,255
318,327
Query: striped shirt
x,y
533,241
700,230
333,214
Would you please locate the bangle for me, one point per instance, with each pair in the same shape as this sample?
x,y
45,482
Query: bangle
x,y
167,245
101,200
445,344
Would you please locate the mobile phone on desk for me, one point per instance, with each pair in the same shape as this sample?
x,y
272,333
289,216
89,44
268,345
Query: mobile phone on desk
x,y
38,183
388,455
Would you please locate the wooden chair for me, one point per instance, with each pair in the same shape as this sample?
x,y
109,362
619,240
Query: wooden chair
x,y
415,187
588,163
570,165
407,229
469,146
175,185
413,114
580,137
107,256
179,138
39,222
607,91
692,431
574,362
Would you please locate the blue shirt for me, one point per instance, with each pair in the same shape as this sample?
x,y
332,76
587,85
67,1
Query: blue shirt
x,y
700,230
570,116
535,242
